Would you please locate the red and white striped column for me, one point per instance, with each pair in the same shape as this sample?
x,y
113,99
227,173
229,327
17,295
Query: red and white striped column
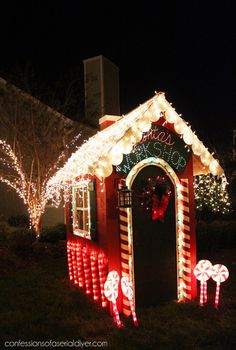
x,y
184,255
125,254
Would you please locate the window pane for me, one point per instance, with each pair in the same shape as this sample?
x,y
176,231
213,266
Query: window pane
x,y
79,198
85,197
80,219
86,220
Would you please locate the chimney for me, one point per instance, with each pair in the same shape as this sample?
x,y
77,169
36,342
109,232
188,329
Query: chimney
x,y
101,82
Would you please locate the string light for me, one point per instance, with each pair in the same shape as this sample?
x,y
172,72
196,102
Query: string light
x,y
111,293
34,194
210,192
102,271
81,204
69,257
95,277
180,214
127,290
220,274
97,155
79,262
203,272
88,270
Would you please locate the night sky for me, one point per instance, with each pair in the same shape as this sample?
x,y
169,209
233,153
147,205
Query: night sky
x,y
183,48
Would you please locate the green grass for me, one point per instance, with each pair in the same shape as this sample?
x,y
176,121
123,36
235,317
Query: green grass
x,y
38,303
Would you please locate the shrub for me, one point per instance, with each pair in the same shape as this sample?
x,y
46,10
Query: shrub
x,y
61,229
3,231
18,220
216,235
21,242
48,235
53,234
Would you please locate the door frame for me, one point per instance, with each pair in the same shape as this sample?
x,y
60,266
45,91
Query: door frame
x,y
182,230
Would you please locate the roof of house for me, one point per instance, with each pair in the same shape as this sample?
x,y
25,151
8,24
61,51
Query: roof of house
x,y
106,148
11,88
9,92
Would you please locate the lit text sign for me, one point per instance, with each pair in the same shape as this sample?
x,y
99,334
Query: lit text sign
x,y
161,143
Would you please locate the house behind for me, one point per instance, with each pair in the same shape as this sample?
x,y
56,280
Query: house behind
x,y
18,109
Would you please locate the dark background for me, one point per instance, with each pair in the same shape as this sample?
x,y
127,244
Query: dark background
x,y
183,48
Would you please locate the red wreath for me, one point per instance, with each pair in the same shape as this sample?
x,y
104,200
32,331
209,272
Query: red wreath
x,y
155,197
159,206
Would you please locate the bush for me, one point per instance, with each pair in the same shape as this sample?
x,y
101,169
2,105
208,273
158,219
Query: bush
x,y
21,242
61,229
3,231
53,234
18,221
216,235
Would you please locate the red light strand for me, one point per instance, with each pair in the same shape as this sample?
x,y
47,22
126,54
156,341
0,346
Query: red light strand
x,y
80,272
88,270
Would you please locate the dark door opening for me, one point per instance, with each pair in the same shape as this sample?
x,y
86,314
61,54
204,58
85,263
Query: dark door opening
x,y
154,246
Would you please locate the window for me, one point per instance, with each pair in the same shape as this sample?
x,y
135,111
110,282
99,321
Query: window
x,y
84,209
80,211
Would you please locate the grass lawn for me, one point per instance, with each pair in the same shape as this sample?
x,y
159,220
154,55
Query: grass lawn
x,y
38,303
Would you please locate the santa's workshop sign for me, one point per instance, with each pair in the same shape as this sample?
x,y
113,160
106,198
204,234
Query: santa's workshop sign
x,y
161,143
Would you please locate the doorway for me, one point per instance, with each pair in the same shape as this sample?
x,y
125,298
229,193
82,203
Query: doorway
x,y
154,244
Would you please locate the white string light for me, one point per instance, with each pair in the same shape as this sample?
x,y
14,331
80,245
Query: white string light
x,y
97,155
34,197
210,192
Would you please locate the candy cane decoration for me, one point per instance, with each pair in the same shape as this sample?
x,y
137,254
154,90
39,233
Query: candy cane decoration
x,y
220,274
111,293
127,290
203,271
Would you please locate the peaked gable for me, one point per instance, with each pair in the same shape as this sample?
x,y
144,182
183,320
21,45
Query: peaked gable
x,y
106,148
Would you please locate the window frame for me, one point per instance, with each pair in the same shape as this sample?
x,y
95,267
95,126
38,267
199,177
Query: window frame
x,y
84,208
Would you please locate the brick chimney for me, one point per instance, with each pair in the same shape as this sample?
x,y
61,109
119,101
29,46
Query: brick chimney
x,y
107,120
101,83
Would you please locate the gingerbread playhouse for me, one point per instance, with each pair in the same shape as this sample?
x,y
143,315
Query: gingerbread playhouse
x,y
130,205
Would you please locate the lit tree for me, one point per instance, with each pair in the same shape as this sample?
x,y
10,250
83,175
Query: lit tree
x,y
211,193
34,142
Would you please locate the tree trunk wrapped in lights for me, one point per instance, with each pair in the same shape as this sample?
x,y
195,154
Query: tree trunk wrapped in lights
x,y
35,141
35,197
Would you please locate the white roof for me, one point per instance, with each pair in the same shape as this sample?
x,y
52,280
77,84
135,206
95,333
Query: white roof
x,y
106,148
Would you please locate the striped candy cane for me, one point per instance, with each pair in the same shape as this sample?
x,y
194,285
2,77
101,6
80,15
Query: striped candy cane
x,y
125,254
185,254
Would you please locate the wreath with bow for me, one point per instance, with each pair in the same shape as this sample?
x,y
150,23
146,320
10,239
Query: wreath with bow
x,y
155,197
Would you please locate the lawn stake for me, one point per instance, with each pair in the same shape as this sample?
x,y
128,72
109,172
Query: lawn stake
x,y
219,275
111,293
203,271
127,290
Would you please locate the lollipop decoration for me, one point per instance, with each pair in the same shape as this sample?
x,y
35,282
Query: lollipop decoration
x,y
127,290
111,293
220,274
203,272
